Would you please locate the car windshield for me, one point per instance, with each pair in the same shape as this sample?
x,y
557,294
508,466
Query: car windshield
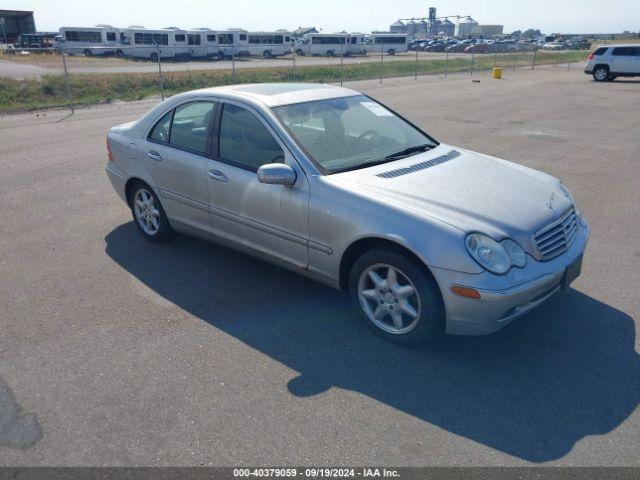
x,y
351,132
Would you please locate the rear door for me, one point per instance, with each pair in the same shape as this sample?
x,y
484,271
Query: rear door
x,y
623,60
635,64
272,219
175,153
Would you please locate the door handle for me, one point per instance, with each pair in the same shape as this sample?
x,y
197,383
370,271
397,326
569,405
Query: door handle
x,y
153,155
218,175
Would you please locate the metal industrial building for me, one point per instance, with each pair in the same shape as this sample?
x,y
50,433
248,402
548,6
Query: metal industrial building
x,y
15,22
464,26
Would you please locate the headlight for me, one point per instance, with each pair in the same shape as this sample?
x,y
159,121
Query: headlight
x,y
568,194
493,256
488,253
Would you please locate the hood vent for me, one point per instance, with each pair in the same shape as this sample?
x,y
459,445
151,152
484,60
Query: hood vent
x,y
420,166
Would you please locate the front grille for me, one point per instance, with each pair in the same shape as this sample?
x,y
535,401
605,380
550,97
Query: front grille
x,y
557,237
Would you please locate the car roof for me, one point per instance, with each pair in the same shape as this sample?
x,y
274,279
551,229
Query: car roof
x,y
622,45
278,94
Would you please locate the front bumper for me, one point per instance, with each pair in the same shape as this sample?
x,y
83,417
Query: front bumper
x,y
505,297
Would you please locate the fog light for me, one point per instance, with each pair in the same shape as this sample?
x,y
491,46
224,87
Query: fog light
x,y
467,292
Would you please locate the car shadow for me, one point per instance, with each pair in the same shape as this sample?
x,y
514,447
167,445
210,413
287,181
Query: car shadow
x,y
564,371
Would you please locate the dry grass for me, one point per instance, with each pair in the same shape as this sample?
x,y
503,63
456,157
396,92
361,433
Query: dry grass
x,y
50,91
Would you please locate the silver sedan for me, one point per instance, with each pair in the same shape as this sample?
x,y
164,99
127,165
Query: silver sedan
x,y
427,238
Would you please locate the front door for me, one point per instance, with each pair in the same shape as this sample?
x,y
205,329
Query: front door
x,y
272,219
175,154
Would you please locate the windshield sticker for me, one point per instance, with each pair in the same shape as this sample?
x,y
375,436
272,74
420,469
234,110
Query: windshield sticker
x,y
376,108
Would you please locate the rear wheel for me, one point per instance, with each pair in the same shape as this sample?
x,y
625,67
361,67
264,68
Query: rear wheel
x,y
601,73
119,53
267,54
398,299
391,51
154,57
87,53
148,213
329,53
299,52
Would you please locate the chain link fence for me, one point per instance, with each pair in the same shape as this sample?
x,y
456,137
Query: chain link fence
x,y
43,78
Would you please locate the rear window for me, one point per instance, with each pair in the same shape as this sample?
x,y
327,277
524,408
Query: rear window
x,y
601,51
625,51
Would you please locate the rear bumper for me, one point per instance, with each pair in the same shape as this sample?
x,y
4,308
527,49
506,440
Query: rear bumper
x,y
118,180
497,307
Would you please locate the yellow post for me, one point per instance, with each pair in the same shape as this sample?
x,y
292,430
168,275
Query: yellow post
x,y
497,73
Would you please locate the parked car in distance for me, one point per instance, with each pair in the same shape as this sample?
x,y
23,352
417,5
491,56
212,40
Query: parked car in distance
x,y
578,44
554,46
479,48
458,47
613,61
436,47
425,237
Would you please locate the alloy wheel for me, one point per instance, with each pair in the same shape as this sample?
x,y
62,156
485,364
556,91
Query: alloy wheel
x,y
389,299
146,211
601,74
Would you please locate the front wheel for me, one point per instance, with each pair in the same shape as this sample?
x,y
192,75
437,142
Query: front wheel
x,y
148,214
600,74
267,54
87,53
397,297
329,53
391,51
154,57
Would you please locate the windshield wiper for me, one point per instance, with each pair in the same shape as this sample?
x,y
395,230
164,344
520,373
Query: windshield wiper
x,y
410,151
389,158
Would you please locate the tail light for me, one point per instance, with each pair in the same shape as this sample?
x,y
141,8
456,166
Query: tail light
x,y
109,151
590,57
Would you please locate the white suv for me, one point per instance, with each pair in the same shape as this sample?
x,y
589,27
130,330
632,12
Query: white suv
x,y
607,63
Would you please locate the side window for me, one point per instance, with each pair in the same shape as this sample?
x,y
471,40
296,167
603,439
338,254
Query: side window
x,y
161,131
190,126
624,51
245,141
601,51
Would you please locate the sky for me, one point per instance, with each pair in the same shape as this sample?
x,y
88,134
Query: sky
x,y
550,16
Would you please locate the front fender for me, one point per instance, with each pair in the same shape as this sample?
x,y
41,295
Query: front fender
x,y
336,225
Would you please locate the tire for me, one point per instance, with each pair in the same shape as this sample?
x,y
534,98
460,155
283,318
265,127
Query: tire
x,y
154,57
87,53
391,51
150,218
119,53
421,313
601,73
299,52
329,53
267,54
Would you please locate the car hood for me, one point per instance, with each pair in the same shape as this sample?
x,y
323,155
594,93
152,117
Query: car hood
x,y
468,190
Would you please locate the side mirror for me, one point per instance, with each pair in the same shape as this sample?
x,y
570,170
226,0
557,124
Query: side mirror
x,y
277,174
